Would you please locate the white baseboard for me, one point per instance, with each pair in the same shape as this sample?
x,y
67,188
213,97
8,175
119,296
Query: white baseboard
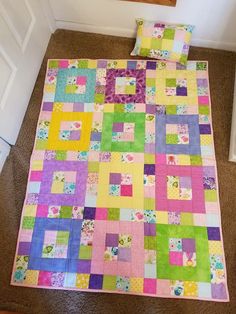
x,y
124,32
4,152
232,150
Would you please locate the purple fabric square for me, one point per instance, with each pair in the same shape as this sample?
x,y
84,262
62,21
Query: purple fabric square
x,y
47,106
150,109
89,212
149,229
118,127
218,291
205,128
149,169
202,83
160,25
95,281
24,248
151,65
112,239
185,182
96,136
102,64
181,91
124,254
75,135
188,245
213,233
84,266
131,65
115,178
78,107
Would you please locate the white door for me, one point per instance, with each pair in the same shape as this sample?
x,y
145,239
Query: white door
x,y
24,35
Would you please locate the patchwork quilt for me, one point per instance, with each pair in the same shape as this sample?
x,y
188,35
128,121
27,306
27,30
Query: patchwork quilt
x,y
122,193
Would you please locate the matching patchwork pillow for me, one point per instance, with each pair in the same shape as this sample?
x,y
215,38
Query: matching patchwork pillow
x,y
163,41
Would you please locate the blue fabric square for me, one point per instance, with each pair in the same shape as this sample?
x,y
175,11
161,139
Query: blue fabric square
x,y
193,148
63,74
69,264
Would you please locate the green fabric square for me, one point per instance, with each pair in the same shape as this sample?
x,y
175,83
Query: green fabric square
x,y
130,89
150,82
119,108
28,222
66,212
53,64
149,203
204,110
41,144
170,82
130,146
210,195
93,166
61,155
169,33
186,219
150,243
171,139
156,43
113,214
85,252
183,59
196,160
171,109
201,272
144,52
83,64
109,282
99,98
71,89
201,66
62,237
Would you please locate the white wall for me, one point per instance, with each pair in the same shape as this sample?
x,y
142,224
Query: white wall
x,y
215,20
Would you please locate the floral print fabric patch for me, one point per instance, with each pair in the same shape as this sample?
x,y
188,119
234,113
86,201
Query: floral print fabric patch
x,y
122,194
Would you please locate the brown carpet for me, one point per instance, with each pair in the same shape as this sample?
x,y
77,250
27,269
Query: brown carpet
x,y
68,44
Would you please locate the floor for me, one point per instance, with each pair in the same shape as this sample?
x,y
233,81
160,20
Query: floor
x,y
69,44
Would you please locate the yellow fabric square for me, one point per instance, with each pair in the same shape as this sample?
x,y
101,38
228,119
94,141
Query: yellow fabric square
x,y
115,166
187,37
121,64
146,42
136,284
31,277
108,108
190,289
82,144
215,247
92,64
173,193
184,160
175,56
37,165
167,44
49,88
206,139
162,217
57,187
82,281
30,210
58,106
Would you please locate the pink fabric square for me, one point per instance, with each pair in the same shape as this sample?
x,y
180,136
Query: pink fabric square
x,y
140,107
176,258
71,155
112,227
180,35
81,80
149,286
63,64
110,268
149,191
163,287
35,175
68,107
101,213
124,268
97,267
98,251
42,211
161,159
203,100
126,190
26,235
44,278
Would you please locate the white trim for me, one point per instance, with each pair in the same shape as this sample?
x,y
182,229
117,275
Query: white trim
x,y
4,152
118,31
47,10
232,150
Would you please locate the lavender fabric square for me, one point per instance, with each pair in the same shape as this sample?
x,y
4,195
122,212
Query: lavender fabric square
x,y
149,229
78,107
84,266
193,148
124,254
185,182
118,127
213,233
47,106
188,245
131,65
24,248
74,135
112,239
218,291
149,169
138,97
76,199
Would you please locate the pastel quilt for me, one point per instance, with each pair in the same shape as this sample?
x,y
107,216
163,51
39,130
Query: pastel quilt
x,y
122,193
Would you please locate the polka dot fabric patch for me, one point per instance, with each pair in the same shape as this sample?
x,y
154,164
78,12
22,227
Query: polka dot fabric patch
x,y
122,195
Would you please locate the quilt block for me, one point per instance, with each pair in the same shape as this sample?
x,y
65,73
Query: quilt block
x,y
122,194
